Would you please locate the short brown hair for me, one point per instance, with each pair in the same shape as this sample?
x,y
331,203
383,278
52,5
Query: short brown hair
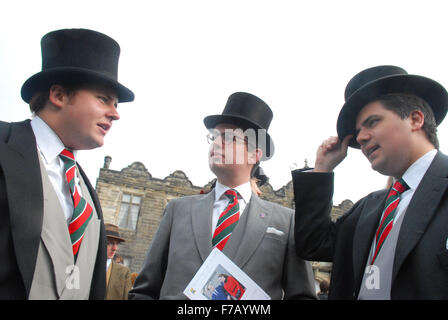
x,y
40,99
404,104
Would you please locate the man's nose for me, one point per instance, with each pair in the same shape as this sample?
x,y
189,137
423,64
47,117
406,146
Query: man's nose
x,y
113,112
362,137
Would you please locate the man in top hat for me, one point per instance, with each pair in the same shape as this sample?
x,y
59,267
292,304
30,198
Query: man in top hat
x,y
393,243
52,234
255,234
118,276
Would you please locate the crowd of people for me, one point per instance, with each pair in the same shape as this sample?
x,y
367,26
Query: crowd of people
x,y
391,245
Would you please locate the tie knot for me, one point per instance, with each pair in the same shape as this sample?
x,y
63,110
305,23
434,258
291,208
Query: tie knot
x,y
67,155
231,194
400,186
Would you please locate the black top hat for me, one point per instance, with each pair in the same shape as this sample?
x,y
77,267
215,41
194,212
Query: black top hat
x,y
76,56
372,83
247,111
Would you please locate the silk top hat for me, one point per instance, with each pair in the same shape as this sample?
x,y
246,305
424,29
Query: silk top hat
x,y
112,232
372,83
76,56
247,111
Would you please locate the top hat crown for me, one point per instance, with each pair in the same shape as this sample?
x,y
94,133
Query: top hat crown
x,y
75,56
246,111
372,83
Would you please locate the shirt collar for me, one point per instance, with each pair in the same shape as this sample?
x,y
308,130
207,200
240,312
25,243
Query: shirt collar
x,y
414,174
244,190
47,140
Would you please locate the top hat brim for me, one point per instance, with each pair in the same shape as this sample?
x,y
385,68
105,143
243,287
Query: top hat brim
x,y
429,90
243,123
72,75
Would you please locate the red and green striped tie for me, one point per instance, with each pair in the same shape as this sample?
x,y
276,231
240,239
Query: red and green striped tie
x,y
82,212
387,218
227,221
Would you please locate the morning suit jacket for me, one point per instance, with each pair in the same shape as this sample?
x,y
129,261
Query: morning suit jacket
x,y
420,267
183,242
21,214
119,282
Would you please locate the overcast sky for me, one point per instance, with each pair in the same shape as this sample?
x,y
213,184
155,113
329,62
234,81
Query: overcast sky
x,y
183,58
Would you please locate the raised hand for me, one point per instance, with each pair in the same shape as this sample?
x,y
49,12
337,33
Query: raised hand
x,y
331,153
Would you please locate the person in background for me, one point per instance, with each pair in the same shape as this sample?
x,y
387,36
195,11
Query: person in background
x,y
258,179
133,277
323,293
118,276
118,258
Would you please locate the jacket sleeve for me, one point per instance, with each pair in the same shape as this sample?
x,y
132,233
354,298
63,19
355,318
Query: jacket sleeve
x,y
298,277
150,279
315,232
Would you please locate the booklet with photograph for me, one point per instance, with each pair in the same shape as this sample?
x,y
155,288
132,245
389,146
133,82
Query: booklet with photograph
x,y
220,279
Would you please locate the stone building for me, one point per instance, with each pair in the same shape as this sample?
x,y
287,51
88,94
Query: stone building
x,y
134,200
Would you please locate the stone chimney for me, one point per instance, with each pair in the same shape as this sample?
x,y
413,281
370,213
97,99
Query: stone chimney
x,y
107,161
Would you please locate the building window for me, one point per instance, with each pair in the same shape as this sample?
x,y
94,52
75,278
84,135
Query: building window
x,y
129,210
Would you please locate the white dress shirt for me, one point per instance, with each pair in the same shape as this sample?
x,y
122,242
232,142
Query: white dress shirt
x,y
413,175
384,262
221,200
50,146
108,262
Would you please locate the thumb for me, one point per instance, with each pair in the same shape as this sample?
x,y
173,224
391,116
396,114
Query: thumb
x,y
346,141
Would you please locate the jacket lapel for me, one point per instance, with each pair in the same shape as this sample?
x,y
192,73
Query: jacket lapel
x,y
201,216
364,233
99,274
18,157
249,232
421,209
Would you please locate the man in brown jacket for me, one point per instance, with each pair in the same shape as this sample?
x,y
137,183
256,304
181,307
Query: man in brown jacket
x,y
118,276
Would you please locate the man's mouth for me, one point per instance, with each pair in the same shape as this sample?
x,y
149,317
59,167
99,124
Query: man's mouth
x,y
370,150
104,126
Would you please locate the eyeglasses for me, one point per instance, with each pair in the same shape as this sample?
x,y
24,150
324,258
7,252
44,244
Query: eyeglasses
x,y
226,137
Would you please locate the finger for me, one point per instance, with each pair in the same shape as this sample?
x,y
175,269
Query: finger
x,y
328,143
346,141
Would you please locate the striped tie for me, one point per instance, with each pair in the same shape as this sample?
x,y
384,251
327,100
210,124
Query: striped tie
x,y
227,221
82,211
387,218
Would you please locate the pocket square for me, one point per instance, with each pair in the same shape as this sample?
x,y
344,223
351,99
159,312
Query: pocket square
x,y
274,231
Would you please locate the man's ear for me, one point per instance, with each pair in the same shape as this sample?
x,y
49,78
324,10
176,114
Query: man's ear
x,y
255,156
57,95
417,119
